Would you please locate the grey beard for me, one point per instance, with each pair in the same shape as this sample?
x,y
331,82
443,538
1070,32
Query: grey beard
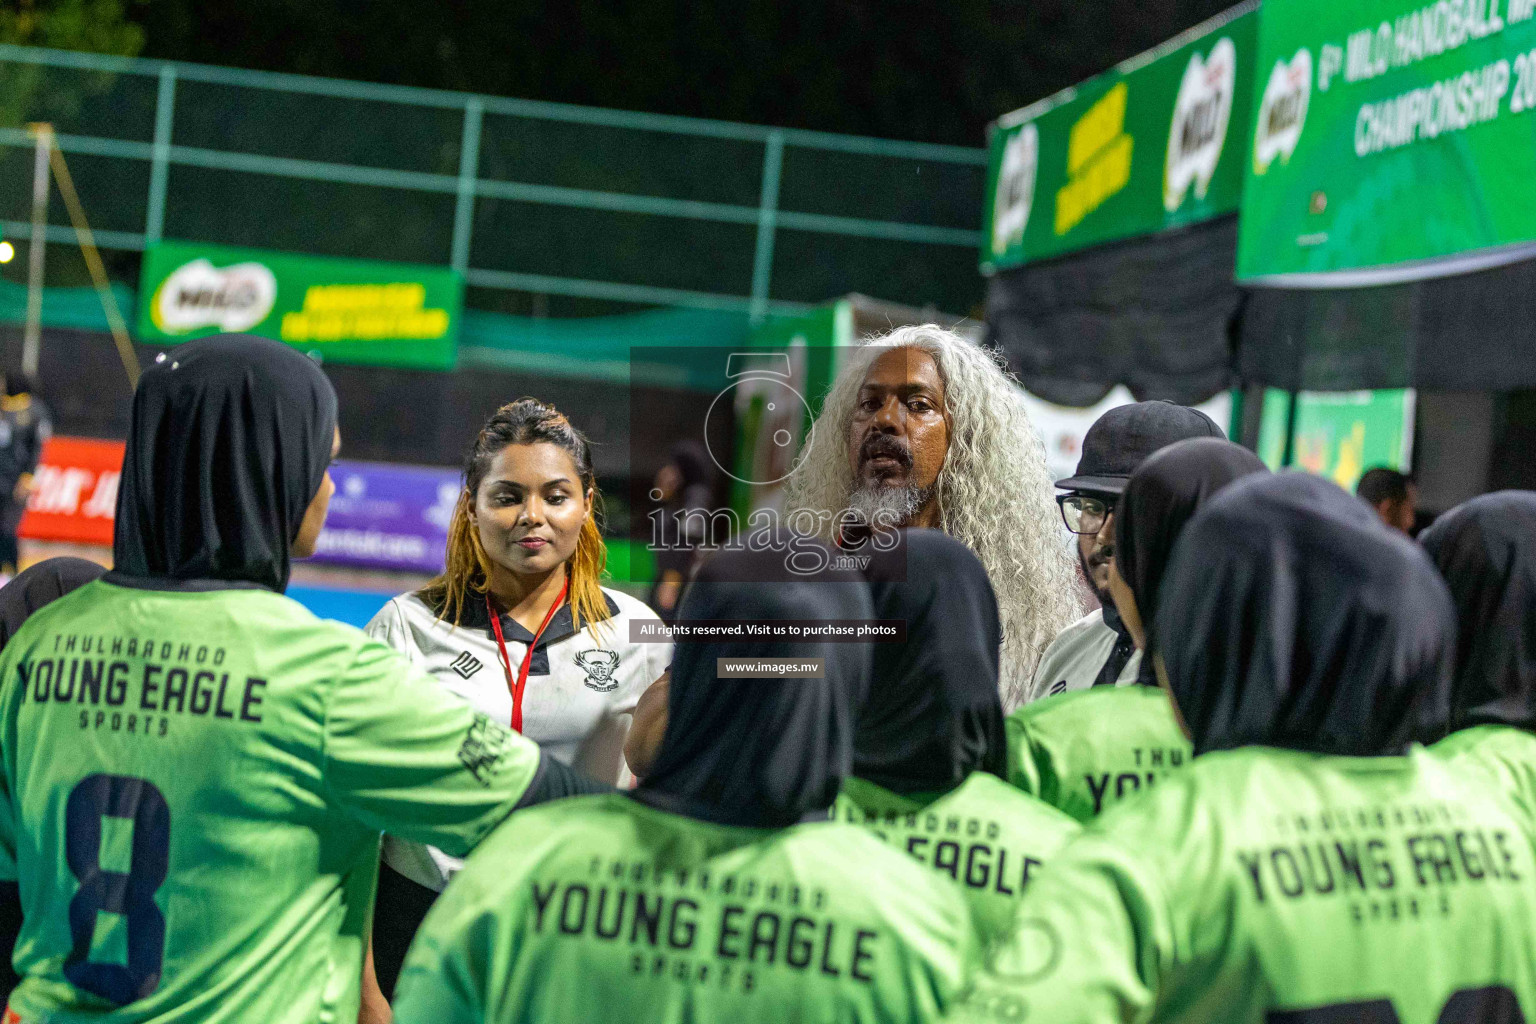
x,y
888,506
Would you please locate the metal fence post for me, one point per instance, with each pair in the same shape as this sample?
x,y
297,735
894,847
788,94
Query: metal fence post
x,y
160,161
37,249
469,171
767,220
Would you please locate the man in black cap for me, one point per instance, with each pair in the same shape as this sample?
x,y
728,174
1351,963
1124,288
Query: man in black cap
x,y
1096,650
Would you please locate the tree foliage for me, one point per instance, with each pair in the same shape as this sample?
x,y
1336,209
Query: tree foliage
x,y
100,26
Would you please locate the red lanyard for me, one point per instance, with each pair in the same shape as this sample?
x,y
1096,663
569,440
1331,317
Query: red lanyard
x,y
516,686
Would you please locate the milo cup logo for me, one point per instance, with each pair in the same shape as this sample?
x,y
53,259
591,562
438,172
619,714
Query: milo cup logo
x,y
198,295
1283,111
1200,117
1015,188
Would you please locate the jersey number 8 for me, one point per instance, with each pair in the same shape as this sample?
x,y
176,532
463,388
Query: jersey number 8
x,y
131,895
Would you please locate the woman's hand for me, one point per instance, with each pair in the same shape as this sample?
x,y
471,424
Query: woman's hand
x,y
649,726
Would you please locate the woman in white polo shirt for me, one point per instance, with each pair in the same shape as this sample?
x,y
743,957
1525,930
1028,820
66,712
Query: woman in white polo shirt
x,y
518,625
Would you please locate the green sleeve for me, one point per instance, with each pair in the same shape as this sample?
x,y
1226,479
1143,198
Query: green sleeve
x,y
405,756
1506,756
443,980
1029,764
1092,940
463,967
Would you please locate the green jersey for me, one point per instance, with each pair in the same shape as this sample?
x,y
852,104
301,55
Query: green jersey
x,y
1506,753
194,787
1084,751
604,909
1263,885
984,835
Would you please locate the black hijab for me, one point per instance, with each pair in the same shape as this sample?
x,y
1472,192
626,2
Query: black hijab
x,y
43,583
228,444
1291,617
932,716
764,753
1486,550
1161,496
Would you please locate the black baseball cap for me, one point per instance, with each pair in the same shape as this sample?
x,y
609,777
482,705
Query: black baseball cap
x,y
1119,440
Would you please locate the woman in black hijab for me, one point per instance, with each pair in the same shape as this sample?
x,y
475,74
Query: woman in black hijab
x,y
1084,751
225,471
1486,550
1162,495
259,751
752,751
1291,618
933,715
731,814
1287,873
930,733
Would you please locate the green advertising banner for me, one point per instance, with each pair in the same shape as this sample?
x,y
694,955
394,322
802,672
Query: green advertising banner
x,y
349,311
1155,143
1393,140
1340,434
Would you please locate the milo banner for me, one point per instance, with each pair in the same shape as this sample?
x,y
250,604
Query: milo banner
x,y
350,311
1155,143
1393,140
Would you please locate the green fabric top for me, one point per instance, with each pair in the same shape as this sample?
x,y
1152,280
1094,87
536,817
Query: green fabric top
x,y
1507,754
194,787
983,835
1083,751
1260,885
605,909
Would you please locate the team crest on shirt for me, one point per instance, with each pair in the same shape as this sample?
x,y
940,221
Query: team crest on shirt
x,y
466,664
600,665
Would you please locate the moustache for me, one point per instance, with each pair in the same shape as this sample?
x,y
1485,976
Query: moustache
x,y
877,445
1103,556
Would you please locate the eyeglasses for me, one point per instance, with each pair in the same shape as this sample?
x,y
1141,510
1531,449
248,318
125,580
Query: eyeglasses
x,y
1083,514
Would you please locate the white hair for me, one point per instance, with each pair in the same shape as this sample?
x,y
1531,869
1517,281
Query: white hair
x,y
994,492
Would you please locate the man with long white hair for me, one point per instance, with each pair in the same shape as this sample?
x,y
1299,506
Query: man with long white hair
x,y
925,428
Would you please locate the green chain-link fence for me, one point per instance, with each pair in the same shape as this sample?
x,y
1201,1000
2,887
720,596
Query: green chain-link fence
x,y
544,207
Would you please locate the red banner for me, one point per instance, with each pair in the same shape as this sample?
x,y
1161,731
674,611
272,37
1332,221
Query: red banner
x,y
75,497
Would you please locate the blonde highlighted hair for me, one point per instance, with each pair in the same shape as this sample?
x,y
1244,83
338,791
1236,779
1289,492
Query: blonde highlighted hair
x,y
467,569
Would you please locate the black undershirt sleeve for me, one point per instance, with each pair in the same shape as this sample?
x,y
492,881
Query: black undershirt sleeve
x,y
554,781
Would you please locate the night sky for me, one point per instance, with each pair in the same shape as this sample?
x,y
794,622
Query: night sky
x,y
936,70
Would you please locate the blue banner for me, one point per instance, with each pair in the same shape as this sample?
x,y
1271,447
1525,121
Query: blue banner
x,y
389,517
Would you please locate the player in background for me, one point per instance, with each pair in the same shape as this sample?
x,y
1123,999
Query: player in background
x,y
1314,863
44,582
1085,750
1486,550
929,751
519,625
207,849
25,424
717,890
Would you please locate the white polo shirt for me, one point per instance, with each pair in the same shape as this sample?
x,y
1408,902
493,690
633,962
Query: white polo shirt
x,y
1074,659
581,691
